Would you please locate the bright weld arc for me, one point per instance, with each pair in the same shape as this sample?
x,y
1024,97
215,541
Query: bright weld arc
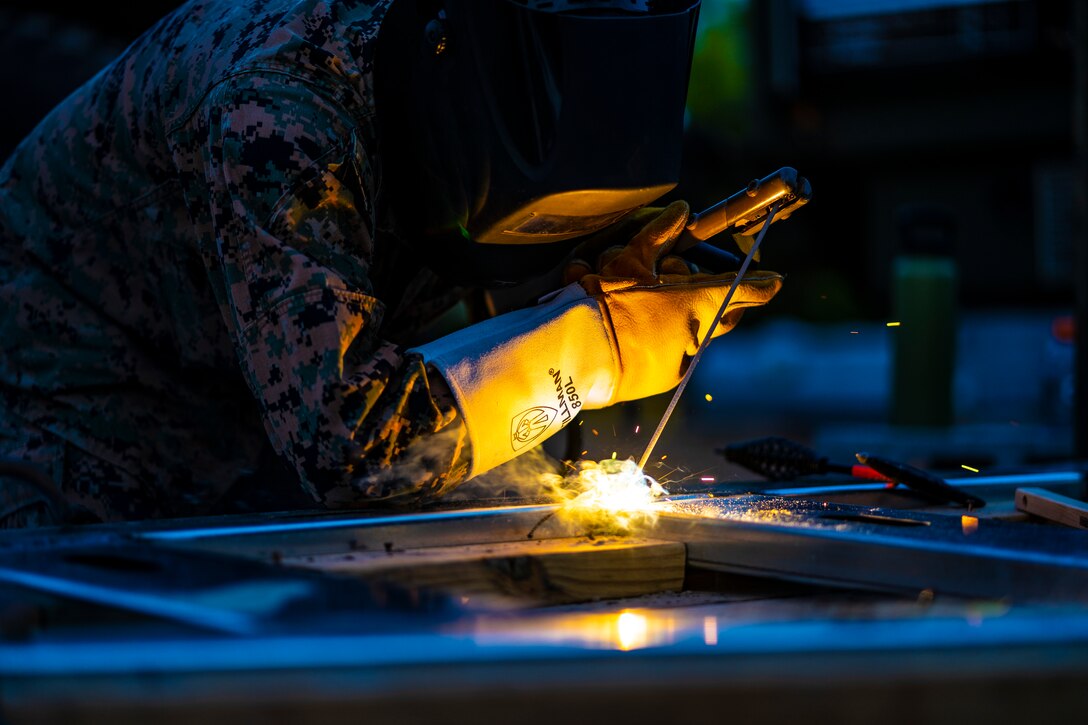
x,y
609,495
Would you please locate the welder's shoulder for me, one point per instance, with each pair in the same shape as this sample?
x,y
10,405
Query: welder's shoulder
x,y
326,43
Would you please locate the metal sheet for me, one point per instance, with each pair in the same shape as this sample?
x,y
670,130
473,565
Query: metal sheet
x,y
1065,482
271,539
209,591
786,629
881,549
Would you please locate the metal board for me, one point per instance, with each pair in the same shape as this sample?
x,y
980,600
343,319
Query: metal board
x,y
885,549
274,539
210,591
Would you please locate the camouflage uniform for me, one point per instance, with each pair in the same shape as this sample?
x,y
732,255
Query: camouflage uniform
x,y
193,263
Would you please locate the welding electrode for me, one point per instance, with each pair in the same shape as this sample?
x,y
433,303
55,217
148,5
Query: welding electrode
x,y
707,337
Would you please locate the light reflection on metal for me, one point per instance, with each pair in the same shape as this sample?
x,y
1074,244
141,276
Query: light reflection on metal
x,y
624,631
710,630
783,631
631,631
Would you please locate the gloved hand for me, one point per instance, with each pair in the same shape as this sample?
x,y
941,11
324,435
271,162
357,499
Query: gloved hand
x,y
648,295
621,334
592,255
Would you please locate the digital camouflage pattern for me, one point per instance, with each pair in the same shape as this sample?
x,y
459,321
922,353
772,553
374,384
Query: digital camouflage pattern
x,y
193,263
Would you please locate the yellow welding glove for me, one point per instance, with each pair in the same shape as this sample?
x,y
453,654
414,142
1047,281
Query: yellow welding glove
x,y
592,255
622,334
647,294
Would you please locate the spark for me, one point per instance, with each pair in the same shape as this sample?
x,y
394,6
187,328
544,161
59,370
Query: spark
x,y
708,479
580,422
663,479
853,332
709,398
636,429
696,474
583,453
613,455
607,496
594,431
968,468
664,456
894,324
969,524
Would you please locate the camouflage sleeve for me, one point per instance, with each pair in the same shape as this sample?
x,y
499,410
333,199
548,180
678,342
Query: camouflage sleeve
x,y
288,251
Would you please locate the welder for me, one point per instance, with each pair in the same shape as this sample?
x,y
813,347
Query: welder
x,y
228,256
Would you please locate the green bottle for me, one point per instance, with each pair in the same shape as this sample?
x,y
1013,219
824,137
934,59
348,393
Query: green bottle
x,y
924,292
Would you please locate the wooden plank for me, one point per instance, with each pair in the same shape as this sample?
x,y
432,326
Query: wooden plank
x,y
1053,507
521,573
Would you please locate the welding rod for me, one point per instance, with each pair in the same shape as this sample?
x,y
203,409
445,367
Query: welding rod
x,y
706,338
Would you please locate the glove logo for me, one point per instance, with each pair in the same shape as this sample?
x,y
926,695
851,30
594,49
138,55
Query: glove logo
x,y
528,426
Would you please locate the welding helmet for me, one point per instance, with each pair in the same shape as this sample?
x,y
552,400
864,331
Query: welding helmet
x,y
537,122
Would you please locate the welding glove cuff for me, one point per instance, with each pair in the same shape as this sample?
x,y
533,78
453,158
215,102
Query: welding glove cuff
x,y
520,377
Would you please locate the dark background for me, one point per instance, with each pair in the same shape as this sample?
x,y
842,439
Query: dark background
x,y
962,105
967,109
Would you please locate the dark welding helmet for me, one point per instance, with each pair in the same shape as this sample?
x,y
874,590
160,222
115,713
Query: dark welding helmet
x,y
541,121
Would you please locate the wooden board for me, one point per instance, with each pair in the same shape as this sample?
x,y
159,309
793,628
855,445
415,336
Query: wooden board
x,y
523,573
1053,507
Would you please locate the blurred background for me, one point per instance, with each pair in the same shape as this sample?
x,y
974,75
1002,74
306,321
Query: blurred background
x,y
944,140
941,140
